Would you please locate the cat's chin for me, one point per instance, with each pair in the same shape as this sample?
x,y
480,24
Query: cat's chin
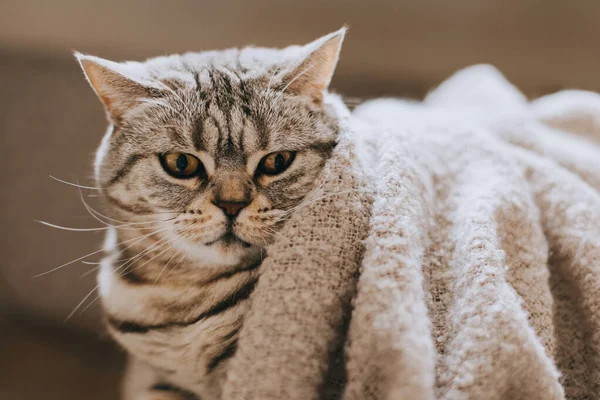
x,y
228,240
223,252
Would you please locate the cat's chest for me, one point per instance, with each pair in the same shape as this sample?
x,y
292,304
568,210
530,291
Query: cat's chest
x,y
187,356
186,334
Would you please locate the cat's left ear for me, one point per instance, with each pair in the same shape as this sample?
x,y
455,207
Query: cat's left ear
x,y
119,86
312,76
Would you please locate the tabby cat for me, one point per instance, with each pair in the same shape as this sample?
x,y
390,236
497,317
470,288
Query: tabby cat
x,y
205,156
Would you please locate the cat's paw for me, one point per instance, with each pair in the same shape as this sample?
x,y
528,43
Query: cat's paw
x,y
163,395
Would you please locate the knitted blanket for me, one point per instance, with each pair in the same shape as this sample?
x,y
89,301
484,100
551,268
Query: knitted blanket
x,y
451,250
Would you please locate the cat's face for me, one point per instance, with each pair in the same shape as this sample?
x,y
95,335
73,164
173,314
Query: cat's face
x,y
214,150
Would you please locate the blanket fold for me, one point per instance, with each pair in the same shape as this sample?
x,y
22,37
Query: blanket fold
x,y
302,300
465,230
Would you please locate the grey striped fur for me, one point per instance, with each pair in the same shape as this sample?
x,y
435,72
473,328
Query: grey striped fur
x,y
173,287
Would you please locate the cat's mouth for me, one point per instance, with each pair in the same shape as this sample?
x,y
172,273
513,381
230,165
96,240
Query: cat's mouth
x,y
228,239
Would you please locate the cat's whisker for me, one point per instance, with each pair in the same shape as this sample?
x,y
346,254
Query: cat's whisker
x,y
142,224
96,268
169,246
122,267
81,303
98,215
167,212
95,252
142,254
135,256
184,256
165,267
93,212
160,243
65,228
127,258
262,249
170,259
129,226
97,265
271,231
89,305
75,184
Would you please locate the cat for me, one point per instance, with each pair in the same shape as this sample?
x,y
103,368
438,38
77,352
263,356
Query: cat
x,y
205,157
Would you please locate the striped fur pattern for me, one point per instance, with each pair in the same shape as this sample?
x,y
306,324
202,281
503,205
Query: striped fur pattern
x,y
176,281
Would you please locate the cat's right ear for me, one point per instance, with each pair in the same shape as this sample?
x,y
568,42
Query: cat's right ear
x,y
119,86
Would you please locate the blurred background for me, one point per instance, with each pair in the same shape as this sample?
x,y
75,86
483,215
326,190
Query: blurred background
x,y
51,122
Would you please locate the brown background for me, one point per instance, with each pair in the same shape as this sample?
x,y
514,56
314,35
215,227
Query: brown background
x,y
50,124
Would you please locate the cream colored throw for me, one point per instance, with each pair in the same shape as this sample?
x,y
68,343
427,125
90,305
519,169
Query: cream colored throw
x,y
464,263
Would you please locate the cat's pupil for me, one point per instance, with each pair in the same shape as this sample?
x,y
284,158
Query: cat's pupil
x,y
279,162
182,163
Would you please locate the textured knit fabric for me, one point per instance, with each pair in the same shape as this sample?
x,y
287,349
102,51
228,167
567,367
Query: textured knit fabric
x,y
301,305
464,263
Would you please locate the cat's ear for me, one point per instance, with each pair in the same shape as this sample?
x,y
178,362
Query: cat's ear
x,y
118,85
312,76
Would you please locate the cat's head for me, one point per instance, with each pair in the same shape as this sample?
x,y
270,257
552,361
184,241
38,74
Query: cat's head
x,y
213,150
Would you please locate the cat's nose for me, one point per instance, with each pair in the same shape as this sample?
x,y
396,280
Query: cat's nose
x,y
231,209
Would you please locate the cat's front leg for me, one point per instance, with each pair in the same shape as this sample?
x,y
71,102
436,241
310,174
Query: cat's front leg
x,y
142,383
164,393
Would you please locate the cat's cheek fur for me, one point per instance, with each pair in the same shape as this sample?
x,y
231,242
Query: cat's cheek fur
x,y
101,153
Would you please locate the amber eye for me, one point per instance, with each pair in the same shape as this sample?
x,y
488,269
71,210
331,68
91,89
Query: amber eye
x,y
181,165
276,163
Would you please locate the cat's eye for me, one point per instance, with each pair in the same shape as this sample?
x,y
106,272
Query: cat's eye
x,y
276,163
181,165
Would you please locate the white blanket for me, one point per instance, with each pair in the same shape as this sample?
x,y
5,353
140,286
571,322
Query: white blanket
x,y
480,275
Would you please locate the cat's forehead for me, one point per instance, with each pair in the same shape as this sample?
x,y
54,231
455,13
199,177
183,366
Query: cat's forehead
x,y
229,104
248,61
238,118
225,114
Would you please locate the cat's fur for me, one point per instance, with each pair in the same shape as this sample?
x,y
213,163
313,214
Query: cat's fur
x,y
173,292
